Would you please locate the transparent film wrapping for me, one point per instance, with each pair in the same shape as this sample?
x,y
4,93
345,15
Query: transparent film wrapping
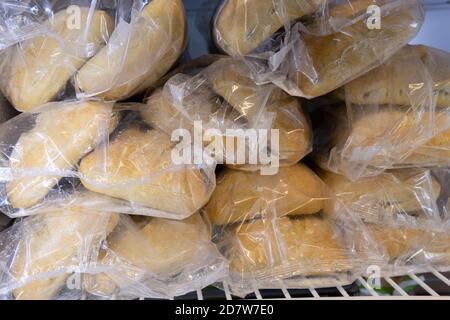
x,y
311,47
395,116
102,147
157,258
74,252
109,50
226,115
273,228
404,214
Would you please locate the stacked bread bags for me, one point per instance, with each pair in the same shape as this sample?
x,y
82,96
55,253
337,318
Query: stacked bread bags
x,y
69,251
247,200
41,162
46,151
229,105
395,116
312,47
402,216
96,51
272,229
43,256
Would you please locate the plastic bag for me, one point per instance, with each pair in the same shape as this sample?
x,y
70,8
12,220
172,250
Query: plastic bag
x,y
157,258
45,158
70,252
41,253
411,250
405,197
310,48
272,229
105,50
402,217
227,102
137,166
397,116
38,150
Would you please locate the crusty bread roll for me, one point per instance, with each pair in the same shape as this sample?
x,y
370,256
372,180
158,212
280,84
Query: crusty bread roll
x,y
399,242
60,138
54,241
405,79
40,67
340,57
152,247
407,196
386,137
168,112
187,99
333,58
137,166
231,80
242,25
287,247
137,55
241,196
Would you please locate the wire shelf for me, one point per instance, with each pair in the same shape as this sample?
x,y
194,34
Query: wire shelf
x,y
430,285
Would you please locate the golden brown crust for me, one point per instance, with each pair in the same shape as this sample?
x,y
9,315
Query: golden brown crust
x,y
241,196
378,199
398,242
154,247
341,57
405,79
242,25
121,70
59,139
57,239
137,167
39,68
311,244
230,79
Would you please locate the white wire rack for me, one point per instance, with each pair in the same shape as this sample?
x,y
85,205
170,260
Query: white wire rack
x,y
431,285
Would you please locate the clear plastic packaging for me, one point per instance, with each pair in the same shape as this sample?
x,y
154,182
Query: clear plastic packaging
x,y
157,258
402,217
109,50
406,197
39,150
137,167
311,47
223,98
273,228
40,254
73,146
70,252
396,116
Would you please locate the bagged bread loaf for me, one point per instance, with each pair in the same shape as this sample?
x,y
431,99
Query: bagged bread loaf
x,y
232,108
396,117
137,166
38,150
137,54
36,70
244,196
322,44
109,50
303,252
157,258
43,251
411,250
272,229
405,197
402,218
